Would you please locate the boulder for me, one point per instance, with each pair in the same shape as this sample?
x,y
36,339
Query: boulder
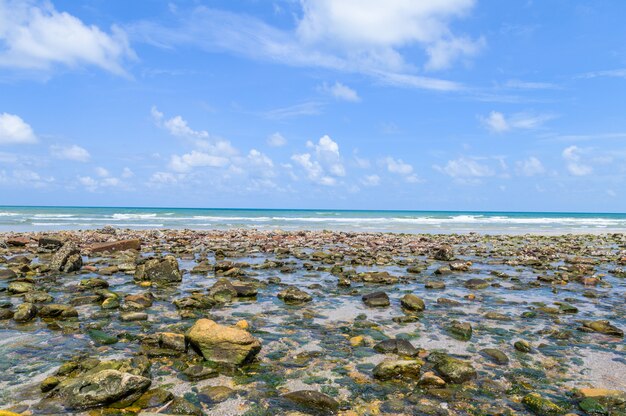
x,y
396,346
111,246
443,253
18,241
294,295
412,303
57,311
376,299
160,270
67,259
102,388
389,369
7,274
49,243
313,400
25,312
460,330
454,370
603,327
221,343
223,291
541,406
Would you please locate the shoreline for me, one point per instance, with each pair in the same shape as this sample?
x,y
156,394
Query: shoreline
x,y
328,322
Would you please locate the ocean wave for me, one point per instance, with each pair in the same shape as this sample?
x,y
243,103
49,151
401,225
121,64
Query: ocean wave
x,y
133,216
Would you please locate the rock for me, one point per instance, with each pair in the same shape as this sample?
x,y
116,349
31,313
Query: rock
x,y
221,343
102,388
112,246
67,259
460,330
25,312
313,400
181,406
49,383
434,284
49,243
153,398
93,283
603,327
200,372
476,284
293,295
389,369
223,291
540,405
18,288
381,278
112,302
171,341
215,394
57,311
454,370
5,314
376,299
142,300
356,340
596,393
430,379
443,253
396,346
18,241
159,270
133,316
495,355
522,346
412,303
101,337
37,297
7,274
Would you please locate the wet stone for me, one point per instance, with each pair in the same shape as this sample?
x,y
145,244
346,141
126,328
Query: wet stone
x,y
376,299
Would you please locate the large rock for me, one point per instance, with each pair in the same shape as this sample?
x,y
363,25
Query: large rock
x,y
603,327
313,400
541,406
396,346
111,246
25,312
389,369
67,259
50,243
164,270
376,299
412,303
294,295
454,370
102,388
7,274
221,343
57,311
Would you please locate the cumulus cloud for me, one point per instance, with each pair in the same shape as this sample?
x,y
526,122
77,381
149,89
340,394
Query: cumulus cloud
x,y
324,164
341,92
25,177
370,180
497,122
276,140
72,152
188,161
399,167
530,167
574,161
35,36
14,130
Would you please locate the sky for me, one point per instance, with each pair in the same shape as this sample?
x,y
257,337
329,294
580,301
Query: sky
x,y
360,104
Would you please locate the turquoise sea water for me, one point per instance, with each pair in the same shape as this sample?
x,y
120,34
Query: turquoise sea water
x,y
58,218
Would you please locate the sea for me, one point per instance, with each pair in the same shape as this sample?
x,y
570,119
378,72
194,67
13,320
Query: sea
x,y
22,218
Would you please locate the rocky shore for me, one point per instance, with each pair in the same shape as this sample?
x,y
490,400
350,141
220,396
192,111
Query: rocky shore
x,y
245,322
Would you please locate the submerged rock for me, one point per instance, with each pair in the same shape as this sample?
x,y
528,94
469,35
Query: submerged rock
x,y
312,399
57,311
221,343
294,295
396,346
454,370
376,299
67,259
541,406
460,330
25,312
389,369
604,327
412,303
102,388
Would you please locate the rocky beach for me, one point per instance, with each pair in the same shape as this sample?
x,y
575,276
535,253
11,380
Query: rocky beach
x,y
117,321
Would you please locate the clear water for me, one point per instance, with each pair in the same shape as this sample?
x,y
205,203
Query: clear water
x,y
56,218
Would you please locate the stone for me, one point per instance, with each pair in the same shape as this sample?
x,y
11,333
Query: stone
x,y
181,406
376,299
133,316
215,394
223,291
430,379
220,343
57,311
603,327
460,330
396,346
159,270
49,243
153,398
522,346
112,246
541,406
93,283
25,312
7,274
434,284
37,297
443,253
144,300
199,372
495,355
18,241
293,295
412,303
454,370
102,388
20,287
49,383
476,284
313,400
101,337
5,314
389,369
67,259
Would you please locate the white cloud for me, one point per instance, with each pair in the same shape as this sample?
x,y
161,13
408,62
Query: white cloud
x,y
127,173
499,123
164,178
276,140
25,177
369,37
342,92
398,166
465,168
314,170
530,167
14,130
325,164
327,152
102,172
73,152
371,180
176,126
310,108
195,159
36,36
575,165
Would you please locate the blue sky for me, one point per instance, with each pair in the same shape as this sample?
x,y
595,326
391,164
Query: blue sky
x,y
358,104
